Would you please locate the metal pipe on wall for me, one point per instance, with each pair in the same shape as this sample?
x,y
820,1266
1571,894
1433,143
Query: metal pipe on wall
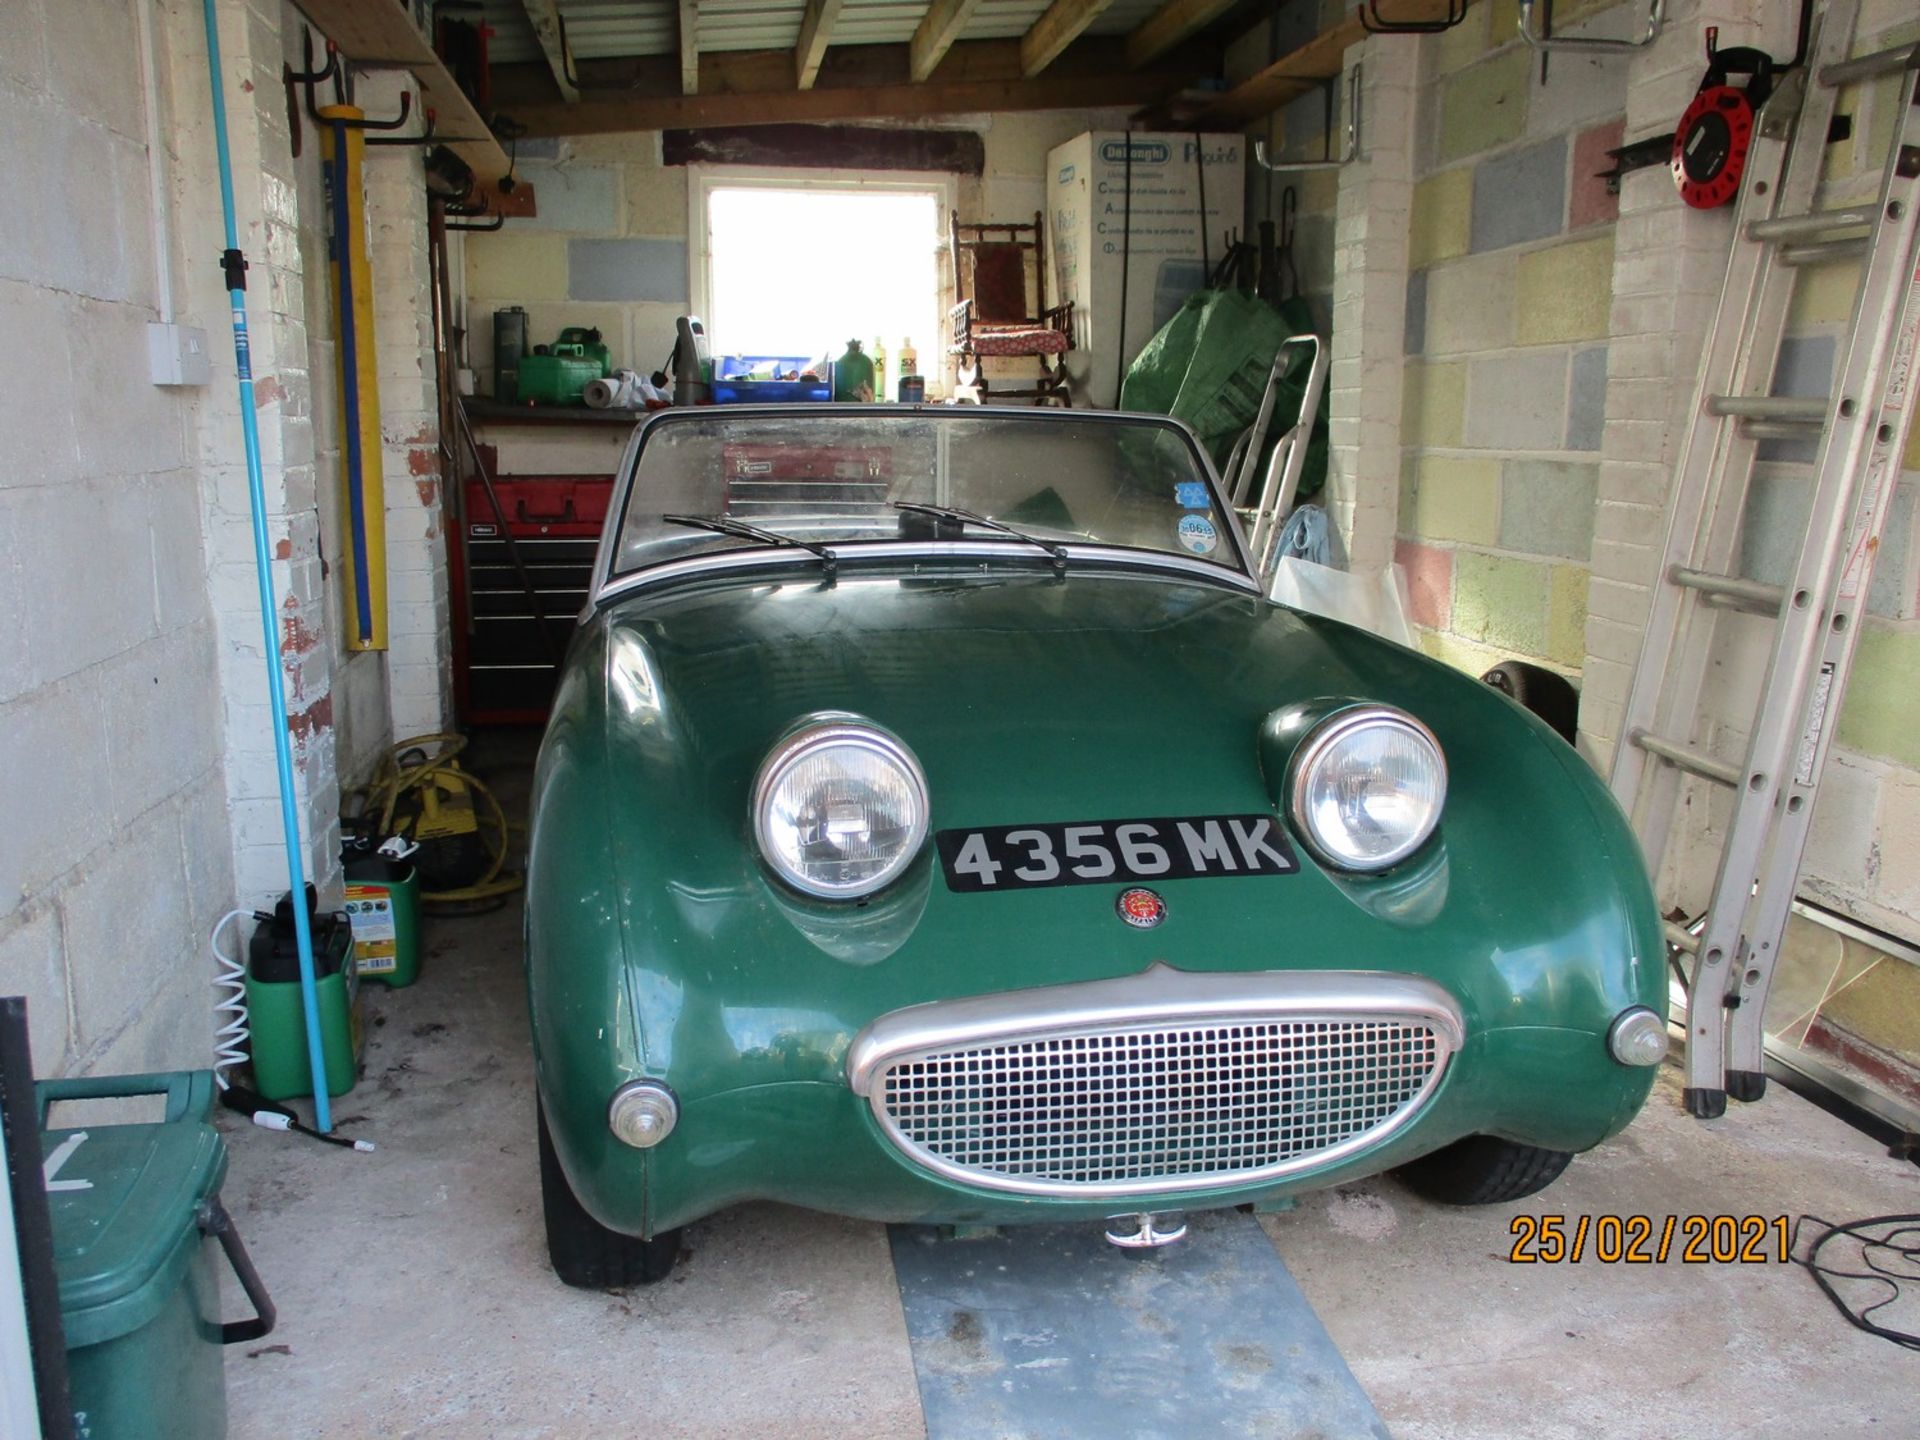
x,y
235,266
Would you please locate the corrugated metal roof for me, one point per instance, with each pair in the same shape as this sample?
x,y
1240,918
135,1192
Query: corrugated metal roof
x,y
598,29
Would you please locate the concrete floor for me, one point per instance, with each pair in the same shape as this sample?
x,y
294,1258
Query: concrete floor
x,y
415,1299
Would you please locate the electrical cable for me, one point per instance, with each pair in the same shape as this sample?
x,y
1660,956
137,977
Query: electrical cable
x,y
1899,1246
1200,170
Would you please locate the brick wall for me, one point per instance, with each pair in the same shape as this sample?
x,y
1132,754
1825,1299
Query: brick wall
x,y
1511,260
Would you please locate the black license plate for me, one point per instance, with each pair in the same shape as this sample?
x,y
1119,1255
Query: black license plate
x,y
1105,852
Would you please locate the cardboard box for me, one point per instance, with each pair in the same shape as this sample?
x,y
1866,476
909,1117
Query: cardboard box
x,y
1109,211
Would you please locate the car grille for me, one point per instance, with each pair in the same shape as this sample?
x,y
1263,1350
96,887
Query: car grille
x,y
1159,1107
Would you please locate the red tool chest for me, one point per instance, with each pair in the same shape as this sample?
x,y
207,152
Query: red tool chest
x,y
508,643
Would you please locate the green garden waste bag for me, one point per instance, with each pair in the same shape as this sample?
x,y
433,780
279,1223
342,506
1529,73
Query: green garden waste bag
x,y
1209,365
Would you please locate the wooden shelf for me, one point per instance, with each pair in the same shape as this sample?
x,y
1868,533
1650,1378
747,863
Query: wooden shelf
x,y
1300,72
379,33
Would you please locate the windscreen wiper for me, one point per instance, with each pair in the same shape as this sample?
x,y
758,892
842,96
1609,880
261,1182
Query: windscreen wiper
x,y
969,517
725,525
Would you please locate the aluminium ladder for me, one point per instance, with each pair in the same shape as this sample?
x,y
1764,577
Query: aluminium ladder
x,y
1862,431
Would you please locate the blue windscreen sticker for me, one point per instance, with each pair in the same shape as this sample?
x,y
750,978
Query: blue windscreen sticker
x,y
1192,495
1198,535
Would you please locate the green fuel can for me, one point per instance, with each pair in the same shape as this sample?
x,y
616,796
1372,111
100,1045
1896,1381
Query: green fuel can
x,y
383,907
281,1067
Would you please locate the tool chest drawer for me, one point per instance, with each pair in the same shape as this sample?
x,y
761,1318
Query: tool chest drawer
x,y
551,526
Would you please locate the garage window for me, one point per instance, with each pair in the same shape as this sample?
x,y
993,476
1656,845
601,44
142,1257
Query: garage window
x,y
797,265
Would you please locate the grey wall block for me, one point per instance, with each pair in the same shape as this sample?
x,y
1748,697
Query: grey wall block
x,y
1805,370
1416,312
1520,197
627,270
1546,507
1587,399
1778,506
1517,402
575,198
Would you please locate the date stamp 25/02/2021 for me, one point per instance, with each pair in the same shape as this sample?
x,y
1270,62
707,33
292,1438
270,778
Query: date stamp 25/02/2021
x,y
1647,1240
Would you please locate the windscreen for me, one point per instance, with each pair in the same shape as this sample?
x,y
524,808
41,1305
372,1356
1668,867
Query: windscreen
x,y
833,475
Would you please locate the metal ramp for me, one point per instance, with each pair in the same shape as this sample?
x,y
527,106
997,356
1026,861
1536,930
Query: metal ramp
x,y
1046,1332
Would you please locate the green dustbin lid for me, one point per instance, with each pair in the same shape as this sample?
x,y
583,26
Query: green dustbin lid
x,y
123,1237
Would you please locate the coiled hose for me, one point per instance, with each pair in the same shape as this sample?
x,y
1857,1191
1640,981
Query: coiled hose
x,y
408,785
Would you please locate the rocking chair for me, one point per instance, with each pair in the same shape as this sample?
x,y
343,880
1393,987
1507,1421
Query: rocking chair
x,y
990,264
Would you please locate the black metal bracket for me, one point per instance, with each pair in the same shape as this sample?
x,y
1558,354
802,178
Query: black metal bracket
x,y
306,79
425,137
1372,22
499,222
406,110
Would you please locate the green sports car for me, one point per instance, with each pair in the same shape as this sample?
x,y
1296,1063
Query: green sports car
x,y
937,823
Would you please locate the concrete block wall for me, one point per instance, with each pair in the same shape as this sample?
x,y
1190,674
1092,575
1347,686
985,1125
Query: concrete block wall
x,y
611,249
113,854
418,664
1508,297
1296,131
608,249
141,794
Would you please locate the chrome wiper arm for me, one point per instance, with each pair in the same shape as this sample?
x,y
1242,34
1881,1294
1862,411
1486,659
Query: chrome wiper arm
x,y
969,517
726,525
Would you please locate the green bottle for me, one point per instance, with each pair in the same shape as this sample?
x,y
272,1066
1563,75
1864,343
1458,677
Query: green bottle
x,y
853,374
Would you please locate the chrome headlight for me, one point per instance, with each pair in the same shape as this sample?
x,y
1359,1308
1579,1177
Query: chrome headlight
x,y
1366,787
839,808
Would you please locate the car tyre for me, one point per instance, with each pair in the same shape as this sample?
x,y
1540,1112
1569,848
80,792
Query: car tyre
x,y
1536,688
1483,1170
585,1253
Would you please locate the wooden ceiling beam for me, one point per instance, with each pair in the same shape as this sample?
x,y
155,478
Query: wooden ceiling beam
x,y
856,82
1169,25
544,16
939,28
816,33
689,47
1059,27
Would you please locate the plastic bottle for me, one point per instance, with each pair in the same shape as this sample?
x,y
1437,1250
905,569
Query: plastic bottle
x,y
879,368
853,375
909,362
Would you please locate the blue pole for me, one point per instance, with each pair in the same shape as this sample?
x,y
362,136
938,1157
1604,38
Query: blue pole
x,y
350,384
236,270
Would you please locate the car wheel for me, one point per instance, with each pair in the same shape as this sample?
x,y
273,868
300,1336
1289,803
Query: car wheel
x,y
1483,1170
586,1253
1536,688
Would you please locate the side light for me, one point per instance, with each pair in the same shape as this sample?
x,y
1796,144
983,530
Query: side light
x,y
642,1113
1638,1037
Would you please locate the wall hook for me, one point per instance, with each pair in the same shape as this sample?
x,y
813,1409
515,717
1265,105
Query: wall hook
x,y
1374,24
306,79
425,137
1656,17
1294,167
406,109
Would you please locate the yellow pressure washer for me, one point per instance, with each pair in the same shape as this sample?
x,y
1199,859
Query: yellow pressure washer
x,y
420,792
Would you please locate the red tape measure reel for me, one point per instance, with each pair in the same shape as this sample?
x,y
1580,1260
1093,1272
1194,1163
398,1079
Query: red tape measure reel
x,y
1710,146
